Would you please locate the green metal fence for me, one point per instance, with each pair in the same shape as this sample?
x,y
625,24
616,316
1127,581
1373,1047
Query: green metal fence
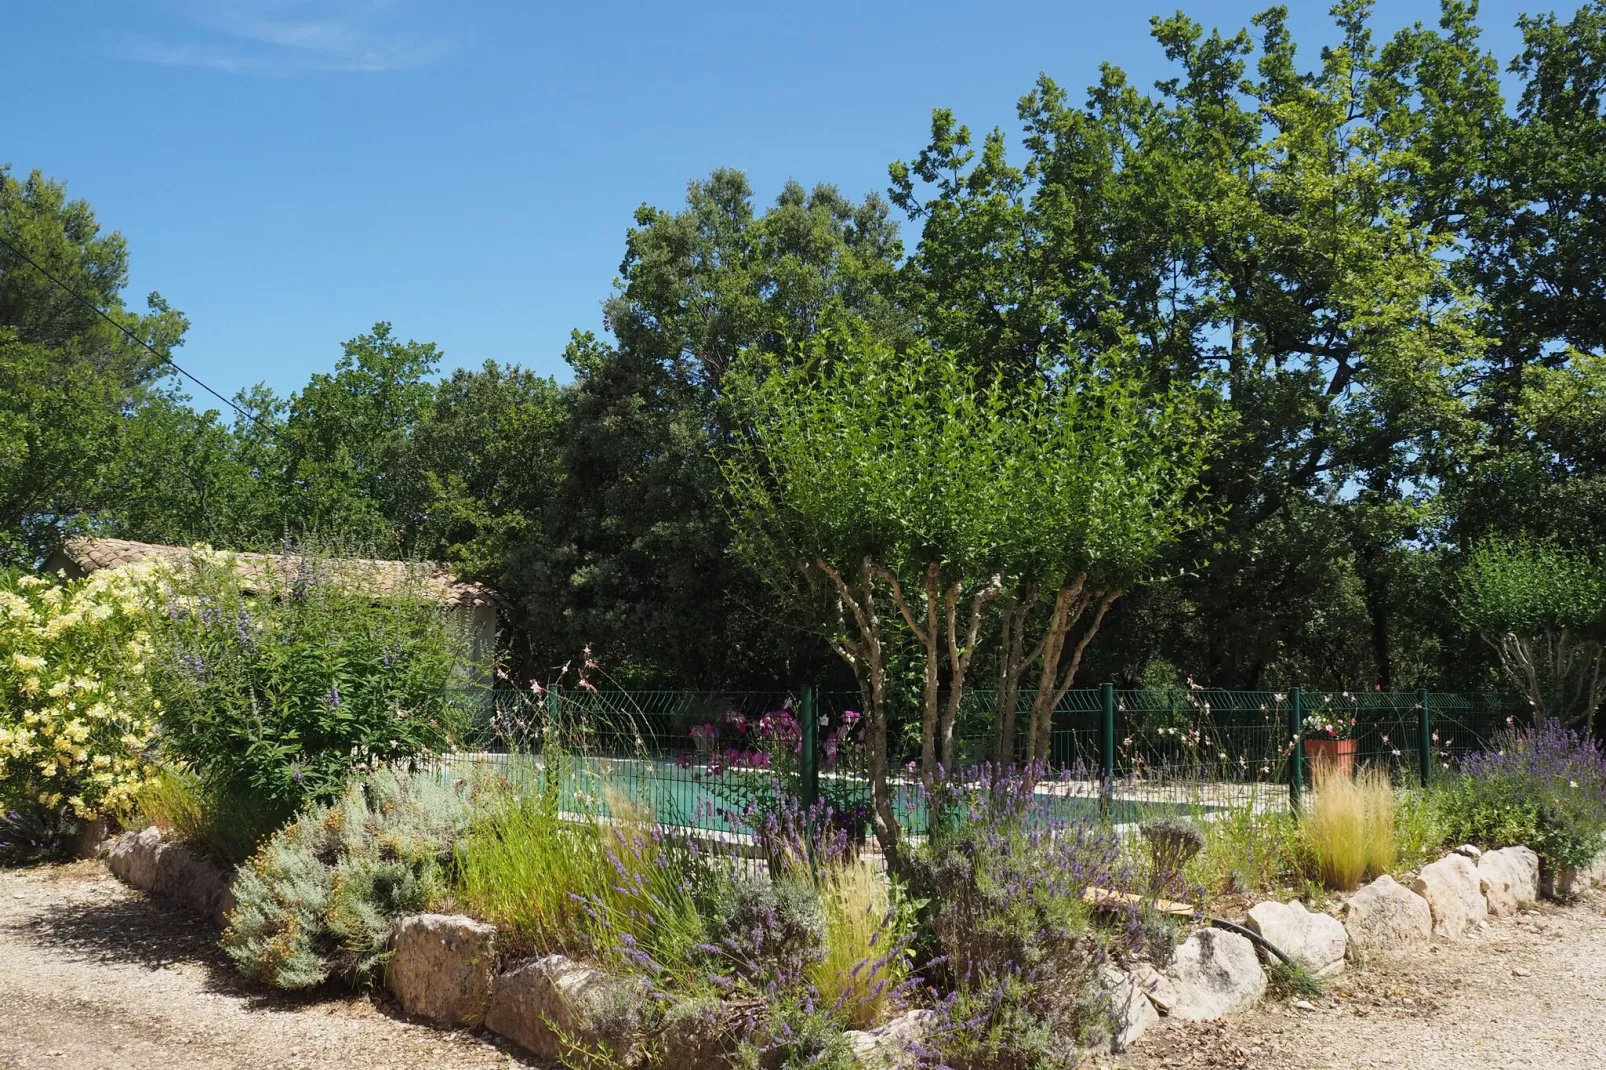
x,y
711,761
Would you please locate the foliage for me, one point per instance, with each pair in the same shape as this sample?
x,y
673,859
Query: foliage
x,y
1543,609
610,882
772,930
1005,877
860,973
1543,788
223,823
796,1033
865,467
1249,848
1380,819
279,683
76,711
317,899
66,376
1419,832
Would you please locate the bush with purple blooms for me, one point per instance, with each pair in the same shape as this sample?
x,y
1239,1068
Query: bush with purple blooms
x,y
1020,951
278,688
1543,787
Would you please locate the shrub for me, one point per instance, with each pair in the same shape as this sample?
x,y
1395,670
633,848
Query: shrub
x,y
794,1033
1544,788
1172,842
771,930
219,822
1543,610
1419,831
1005,878
1248,848
76,713
278,687
317,898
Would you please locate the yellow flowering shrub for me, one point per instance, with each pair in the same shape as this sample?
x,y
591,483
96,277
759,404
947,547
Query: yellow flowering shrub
x,y
76,711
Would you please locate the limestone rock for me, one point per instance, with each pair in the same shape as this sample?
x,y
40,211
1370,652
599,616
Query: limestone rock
x,y
898,1045
441,967
132,857
1454,895
185,874
1594,875
1131,1010
1157,986
1387,916
142,860
1498,882
554,1006
1215,973
1523,865
692,1035
1315,941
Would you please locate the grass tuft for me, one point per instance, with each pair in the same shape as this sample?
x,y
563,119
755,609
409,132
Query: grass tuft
x,y
863,960
1350,827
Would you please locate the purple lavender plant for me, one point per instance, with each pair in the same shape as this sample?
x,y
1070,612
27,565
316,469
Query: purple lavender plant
x,y
1006,872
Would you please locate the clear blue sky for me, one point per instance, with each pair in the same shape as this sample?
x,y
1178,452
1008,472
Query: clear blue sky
x,y
287,172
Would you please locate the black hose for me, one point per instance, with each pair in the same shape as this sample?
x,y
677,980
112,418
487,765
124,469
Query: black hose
x,y
1254,937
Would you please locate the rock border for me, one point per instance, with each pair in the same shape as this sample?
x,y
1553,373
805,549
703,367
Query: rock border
x,y
443,967
144,860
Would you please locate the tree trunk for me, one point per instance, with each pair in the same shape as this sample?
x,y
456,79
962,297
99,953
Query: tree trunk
x,y
959,658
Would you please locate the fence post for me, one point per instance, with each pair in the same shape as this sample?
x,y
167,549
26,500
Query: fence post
x,y
1296,730
809,716
1107,745
1424,743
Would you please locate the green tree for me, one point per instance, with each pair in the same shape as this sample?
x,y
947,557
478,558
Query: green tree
x,y
66,374
868,471
491,454
1252,229
1543,610
637,563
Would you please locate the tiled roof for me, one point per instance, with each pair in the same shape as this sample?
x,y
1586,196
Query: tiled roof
x,y
383,578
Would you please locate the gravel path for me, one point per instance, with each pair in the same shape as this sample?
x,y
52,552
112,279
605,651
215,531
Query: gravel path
x,y
93,975
1526,992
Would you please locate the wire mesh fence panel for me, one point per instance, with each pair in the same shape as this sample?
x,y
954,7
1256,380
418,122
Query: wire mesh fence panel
x,y
721,762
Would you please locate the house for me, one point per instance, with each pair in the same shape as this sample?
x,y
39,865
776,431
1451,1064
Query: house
x,y
472,607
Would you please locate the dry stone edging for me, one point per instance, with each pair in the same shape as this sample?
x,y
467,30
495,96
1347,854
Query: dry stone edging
x,y
1317,942
1215,973
1454,895
553,1006
442,967
144,860
1387,916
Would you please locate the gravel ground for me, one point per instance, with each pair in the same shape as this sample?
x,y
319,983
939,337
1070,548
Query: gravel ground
x,y
1528,991
93,975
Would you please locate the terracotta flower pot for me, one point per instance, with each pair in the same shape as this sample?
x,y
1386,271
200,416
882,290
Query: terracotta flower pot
x,y
1339,752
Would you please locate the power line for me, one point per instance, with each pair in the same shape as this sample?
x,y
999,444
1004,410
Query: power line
x,y
136,339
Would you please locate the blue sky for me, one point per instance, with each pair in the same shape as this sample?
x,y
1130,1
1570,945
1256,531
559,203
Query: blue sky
x,y
287,172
